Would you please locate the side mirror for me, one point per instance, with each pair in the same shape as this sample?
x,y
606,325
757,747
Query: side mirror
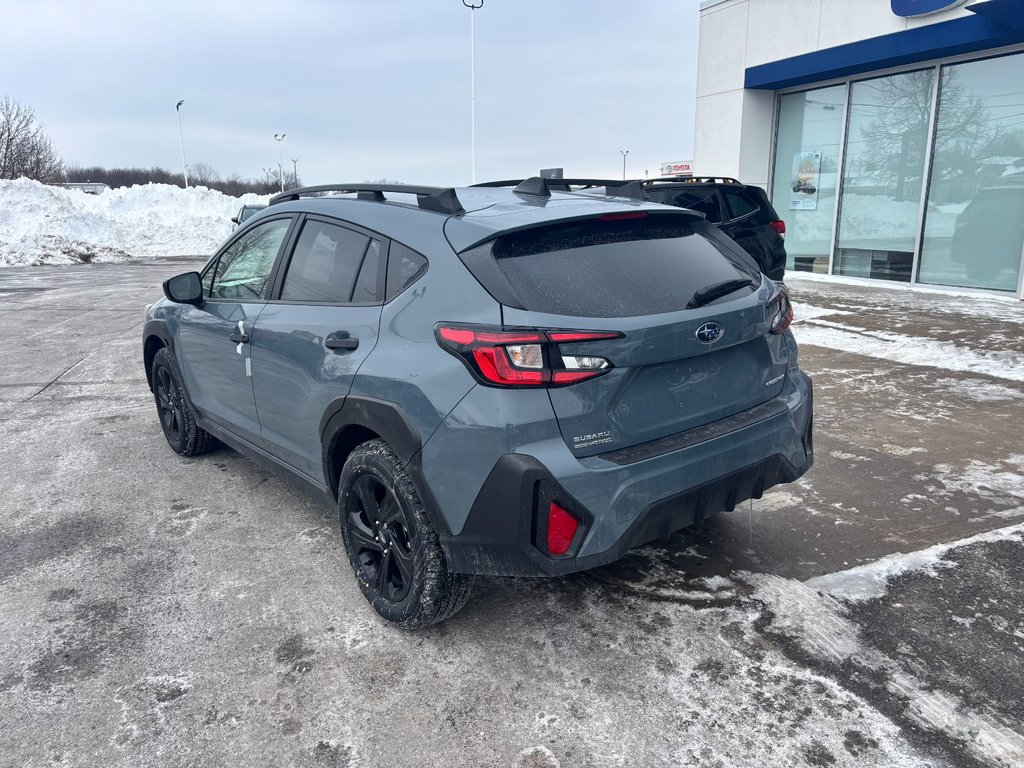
x,y
234,220
185,289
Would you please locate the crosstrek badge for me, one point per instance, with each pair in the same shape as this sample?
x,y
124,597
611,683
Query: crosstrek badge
x,y
595,438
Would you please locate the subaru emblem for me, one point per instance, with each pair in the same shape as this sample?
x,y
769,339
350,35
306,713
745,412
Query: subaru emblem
x,y
708,333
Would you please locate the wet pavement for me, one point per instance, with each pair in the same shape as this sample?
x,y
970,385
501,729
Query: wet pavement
x,y
156,610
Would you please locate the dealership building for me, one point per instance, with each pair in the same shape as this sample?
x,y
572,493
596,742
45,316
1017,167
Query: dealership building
x,y
888,133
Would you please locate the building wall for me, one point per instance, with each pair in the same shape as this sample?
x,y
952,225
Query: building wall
x,y
732,136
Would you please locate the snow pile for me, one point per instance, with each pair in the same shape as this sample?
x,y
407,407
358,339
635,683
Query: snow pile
x,y
52,225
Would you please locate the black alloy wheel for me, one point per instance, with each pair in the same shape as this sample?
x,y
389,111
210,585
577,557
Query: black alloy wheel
x,y
177,420
392,546
380,537
169,405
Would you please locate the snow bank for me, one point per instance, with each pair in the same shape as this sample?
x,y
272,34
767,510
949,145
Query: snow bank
x,y
52,225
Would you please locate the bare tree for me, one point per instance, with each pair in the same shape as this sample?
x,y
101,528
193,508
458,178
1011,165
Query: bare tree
x,y
25,149
202,175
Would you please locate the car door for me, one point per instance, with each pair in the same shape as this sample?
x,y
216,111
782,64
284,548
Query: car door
x,y
309,342
213,339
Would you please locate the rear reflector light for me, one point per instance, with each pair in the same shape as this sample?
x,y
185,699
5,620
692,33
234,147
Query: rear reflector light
x,y
523,357
779,226
562,528
780,311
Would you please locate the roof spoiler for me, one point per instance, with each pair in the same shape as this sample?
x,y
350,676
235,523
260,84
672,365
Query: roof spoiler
x,y
535,185
436,199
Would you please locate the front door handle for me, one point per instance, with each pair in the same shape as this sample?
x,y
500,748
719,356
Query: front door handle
x,y
345,342
239,338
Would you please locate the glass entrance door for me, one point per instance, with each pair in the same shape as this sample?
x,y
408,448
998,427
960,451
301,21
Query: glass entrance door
x,y
883,174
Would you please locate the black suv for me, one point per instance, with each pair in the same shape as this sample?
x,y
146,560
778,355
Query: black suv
x,y
741,211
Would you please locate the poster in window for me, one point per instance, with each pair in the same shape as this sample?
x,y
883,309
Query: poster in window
x,y
806,169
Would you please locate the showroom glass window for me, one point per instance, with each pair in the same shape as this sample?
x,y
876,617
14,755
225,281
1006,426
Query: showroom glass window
x,y
883,173
806,164
974,223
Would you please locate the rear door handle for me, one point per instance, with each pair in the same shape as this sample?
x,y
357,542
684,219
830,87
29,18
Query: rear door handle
x,y
340,341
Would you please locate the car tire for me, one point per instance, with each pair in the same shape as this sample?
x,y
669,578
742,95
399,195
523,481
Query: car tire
x,y
177,420
392,547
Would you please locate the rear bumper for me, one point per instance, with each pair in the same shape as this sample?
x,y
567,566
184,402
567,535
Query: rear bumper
x,y
624,504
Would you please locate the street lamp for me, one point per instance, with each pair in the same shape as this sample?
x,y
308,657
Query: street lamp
x,y
623,152
181,140
295,171
472,80
280,157
268,171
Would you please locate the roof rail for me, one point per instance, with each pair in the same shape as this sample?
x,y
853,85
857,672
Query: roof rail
x,y
437,199
696,180
535,185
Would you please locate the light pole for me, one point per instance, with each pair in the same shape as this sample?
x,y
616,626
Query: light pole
x,y
623,152
472,80
267,171
295,171
181,140
280,157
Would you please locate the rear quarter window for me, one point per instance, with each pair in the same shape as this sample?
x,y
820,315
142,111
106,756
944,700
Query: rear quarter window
x,y
624,268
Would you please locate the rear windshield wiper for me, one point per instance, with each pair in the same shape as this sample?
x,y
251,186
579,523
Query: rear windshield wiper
x,y
709,293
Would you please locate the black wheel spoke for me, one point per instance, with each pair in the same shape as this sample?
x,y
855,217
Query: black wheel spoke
x,y
403,563
362,538
390,511
366,491
383,584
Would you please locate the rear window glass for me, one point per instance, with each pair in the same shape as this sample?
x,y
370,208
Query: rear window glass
x,y
614,268
740,203
325,264
702,200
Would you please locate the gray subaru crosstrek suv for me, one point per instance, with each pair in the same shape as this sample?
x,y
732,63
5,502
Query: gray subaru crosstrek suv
x,y
486,380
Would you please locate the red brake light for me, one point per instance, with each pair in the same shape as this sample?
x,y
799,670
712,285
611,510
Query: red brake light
x,y
623,216
779,226
523,357
562,528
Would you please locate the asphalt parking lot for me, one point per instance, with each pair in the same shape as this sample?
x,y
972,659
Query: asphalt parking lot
x,y
156,610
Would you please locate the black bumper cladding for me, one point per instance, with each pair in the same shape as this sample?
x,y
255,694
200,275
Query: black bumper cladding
x,y
502,535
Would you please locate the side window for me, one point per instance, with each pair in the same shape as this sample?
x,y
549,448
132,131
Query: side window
x,y
325,264
739,204
366,290
244,268
405,267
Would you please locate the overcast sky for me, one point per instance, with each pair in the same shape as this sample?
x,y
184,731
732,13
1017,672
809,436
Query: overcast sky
x,y
364,89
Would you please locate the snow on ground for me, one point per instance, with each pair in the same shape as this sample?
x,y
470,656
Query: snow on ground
x,y
813,615
866,582
51,225
902,348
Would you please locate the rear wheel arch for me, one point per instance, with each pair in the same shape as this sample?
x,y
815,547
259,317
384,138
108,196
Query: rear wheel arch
x,y
351,421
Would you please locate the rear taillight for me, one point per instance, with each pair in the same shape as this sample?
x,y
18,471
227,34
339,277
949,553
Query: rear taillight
x,y
562,528
779,226
780,311
523,357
